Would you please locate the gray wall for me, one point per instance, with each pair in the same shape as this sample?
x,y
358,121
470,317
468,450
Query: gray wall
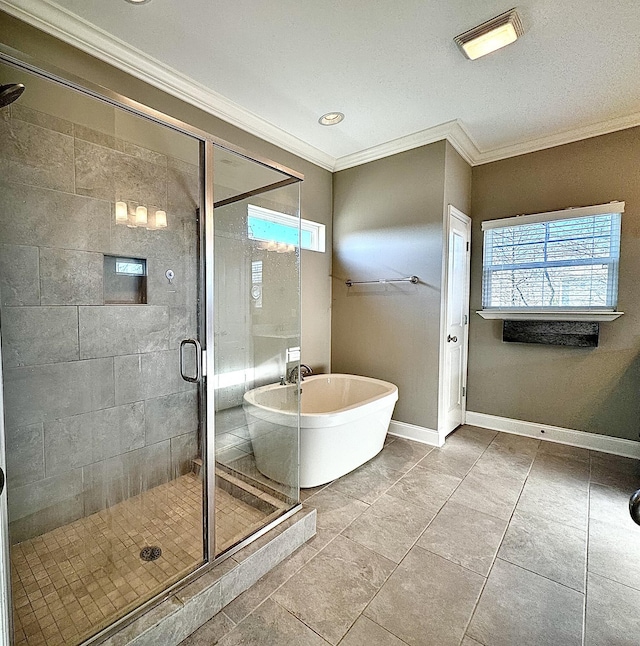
x,y
593,390
95,409
316,196
388,223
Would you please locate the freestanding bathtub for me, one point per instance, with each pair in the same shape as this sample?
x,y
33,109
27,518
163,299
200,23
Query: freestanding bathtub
x,y
343,423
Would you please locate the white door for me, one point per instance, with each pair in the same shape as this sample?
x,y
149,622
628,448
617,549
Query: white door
x,y
454,344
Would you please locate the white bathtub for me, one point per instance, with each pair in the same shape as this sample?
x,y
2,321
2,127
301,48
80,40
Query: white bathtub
x,y
343,423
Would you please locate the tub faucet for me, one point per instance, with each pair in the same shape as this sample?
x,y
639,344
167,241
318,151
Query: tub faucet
x,y
304,371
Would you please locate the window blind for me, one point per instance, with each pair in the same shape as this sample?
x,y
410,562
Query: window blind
x,y
554,263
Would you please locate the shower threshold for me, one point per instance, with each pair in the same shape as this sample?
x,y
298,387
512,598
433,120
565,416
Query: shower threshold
x,y
73,581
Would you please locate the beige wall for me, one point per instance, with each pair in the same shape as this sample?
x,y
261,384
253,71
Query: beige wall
x,y
388,223
315,191
596,390
457,181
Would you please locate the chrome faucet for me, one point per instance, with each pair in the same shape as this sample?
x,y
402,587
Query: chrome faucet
x,y
303,370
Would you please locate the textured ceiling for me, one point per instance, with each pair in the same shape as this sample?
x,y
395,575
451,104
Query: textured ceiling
x,y
392,67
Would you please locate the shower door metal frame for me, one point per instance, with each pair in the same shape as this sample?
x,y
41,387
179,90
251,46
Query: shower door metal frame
x,y
208,142
6,614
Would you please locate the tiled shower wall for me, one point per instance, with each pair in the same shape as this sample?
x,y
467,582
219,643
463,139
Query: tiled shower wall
x,y
95,408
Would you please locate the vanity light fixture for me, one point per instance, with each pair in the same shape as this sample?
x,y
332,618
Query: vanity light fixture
x,y
491,35
278,247
331,118
136,215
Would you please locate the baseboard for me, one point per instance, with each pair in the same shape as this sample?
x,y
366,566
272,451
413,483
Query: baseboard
x,y
415,433
582,439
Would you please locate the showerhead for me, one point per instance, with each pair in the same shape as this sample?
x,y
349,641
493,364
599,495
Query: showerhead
x,y
10,93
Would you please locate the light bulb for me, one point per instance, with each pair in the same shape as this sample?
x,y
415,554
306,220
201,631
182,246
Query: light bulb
x,y
141,216
331,118
122,213
161,219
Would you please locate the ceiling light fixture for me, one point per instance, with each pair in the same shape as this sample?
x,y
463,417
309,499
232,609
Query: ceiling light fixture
x,y
138,1
491,35
331,118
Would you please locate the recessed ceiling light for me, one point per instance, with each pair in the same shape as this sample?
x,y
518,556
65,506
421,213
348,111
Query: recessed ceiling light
x,y
331,118
491,35
138,1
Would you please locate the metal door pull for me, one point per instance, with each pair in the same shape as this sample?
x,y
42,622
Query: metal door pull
x,y
452,339
198,348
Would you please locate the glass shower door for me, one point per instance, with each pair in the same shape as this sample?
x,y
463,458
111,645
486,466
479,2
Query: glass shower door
x,y
257,345
100,282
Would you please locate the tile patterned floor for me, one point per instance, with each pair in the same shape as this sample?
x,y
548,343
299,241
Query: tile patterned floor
x,y
493,540
71,582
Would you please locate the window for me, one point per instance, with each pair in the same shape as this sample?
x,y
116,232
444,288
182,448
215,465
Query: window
x,y
274,227
558,261
131,266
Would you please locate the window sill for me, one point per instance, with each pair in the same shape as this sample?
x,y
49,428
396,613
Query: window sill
x,y
539,315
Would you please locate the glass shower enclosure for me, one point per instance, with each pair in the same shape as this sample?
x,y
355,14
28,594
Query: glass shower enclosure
x,y
137,308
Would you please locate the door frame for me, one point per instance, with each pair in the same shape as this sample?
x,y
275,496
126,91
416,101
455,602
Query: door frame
x,y
451,212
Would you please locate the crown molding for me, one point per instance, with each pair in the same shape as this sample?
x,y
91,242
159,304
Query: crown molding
x,y
79,33
453,131
558,139
92,40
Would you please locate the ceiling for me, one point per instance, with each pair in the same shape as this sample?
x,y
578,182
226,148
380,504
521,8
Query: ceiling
x,y
274,66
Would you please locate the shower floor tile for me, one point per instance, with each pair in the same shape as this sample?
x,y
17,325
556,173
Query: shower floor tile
x,y
75,580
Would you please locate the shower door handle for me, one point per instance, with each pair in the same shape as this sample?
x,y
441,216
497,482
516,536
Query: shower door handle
x,y
198,349
2,479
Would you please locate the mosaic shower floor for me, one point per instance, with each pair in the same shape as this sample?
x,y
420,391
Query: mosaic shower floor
x,y
75,580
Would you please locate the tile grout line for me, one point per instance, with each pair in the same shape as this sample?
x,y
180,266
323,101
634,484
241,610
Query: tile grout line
x,y
437,512
281,585
341,533
584,593
298,618
495,558
270,595
420,536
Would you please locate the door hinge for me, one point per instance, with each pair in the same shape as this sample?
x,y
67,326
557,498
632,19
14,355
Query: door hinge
x,y
464,391
467,245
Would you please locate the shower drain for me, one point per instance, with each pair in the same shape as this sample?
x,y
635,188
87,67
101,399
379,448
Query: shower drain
x,y
150,553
